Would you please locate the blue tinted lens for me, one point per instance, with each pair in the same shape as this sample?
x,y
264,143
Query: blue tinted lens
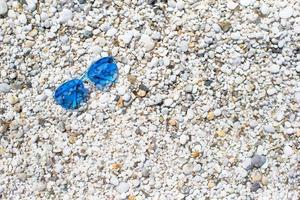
x,y
103,72
71,94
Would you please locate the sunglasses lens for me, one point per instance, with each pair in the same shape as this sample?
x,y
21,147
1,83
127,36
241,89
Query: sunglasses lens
x,y
103,72
71,94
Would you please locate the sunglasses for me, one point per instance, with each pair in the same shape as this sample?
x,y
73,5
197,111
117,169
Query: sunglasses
x,y
71,94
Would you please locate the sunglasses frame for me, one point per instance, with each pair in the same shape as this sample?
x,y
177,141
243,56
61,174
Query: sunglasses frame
x,y
101,83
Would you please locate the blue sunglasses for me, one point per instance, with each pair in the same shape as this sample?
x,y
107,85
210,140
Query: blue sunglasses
x,y
71,94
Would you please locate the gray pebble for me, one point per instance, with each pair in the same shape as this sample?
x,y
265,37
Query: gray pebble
x,y
4,87
258,161
255,186
146,173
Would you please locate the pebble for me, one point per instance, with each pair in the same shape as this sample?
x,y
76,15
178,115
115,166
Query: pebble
x,y
4,88
264,9
3,7
146,173
183,139
221,133
187,168
22,19
255,186
232,5
127,97
114,180
288,151
127,37
123,187
247,2
147,42
168,102
274,69
111,32
298,69
258,161
286,12
11,99
65,15
271,91
269,128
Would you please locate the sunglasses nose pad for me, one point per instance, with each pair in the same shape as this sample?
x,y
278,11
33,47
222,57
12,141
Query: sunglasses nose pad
x,y
71,94
103,73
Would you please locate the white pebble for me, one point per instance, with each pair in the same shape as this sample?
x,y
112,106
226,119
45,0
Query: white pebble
x,y
123,187
183,139
187,168
247,2
168,102
147,42
298,69
114,180
297,97
65,15
121,90
127,37
286,12
3,7
127,97
22,19
4,87
271,91
274,69
264,9
288,151
232,5
269,128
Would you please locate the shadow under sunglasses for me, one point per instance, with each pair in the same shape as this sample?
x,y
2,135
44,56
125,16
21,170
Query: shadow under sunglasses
x,y
71,94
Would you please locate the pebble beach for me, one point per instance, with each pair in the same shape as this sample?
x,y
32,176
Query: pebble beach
x,y
206,104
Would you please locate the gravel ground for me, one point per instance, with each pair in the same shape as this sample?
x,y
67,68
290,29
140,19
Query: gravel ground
x,y
206,105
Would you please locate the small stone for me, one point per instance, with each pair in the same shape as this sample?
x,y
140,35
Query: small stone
x,y
255,186
131,197
264,180
274,69
231,5
172,122
22,19
298,69
210,115
286,12
168,102
258,161
146,173
4,87
210,184
127,37
3,7
114,180
120,102
279,116
127,97
141,93
39,186
183,139
65,15
11,99
264,9
221,133
147,42
111,32
123,187
195,154
256,177
225,25
17,108
269,128
116,166
217,112
247,2
132,79
271,91
288,151
187,168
